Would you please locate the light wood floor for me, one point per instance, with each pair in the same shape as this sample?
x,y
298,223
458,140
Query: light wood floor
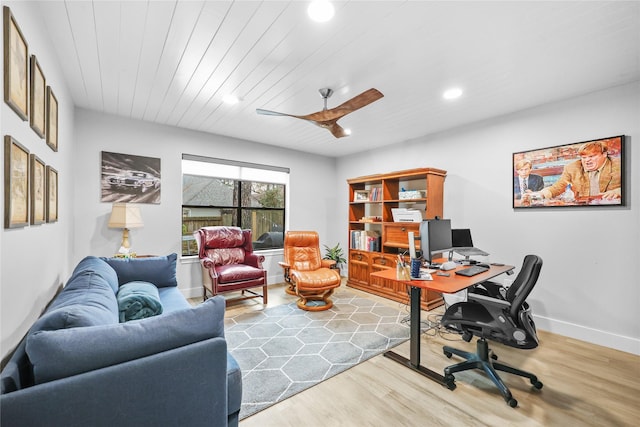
x,y
584,385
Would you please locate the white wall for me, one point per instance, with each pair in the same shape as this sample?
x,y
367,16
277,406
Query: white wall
x,y
312,188
588,288
35,259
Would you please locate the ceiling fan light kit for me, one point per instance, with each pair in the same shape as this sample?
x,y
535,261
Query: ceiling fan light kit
x,y
328,118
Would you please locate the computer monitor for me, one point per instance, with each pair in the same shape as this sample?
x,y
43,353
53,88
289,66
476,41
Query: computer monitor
x,y
435,237
461,238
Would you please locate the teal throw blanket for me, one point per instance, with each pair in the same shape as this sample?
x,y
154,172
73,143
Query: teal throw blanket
x,y
138,300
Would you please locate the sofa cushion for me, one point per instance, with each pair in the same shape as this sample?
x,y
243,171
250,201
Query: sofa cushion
x,y
65,352
98,267
160,270
88,299
172,299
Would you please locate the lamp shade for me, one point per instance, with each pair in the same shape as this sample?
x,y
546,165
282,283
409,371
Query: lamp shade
x,y
125,215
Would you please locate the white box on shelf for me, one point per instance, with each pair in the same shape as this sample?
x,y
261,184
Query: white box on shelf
x,y
406,215
411,194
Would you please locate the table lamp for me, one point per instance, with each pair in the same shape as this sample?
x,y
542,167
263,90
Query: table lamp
x,y
125,216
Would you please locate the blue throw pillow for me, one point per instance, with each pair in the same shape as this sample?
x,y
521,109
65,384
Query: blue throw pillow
x,y
65,352
160,270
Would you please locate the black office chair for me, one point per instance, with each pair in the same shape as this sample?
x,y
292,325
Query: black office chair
x,y
504,319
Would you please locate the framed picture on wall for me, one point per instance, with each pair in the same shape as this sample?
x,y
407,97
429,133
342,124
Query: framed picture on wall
x,y
588,173
16,66
131,179
52,194
38,178
37,118
16,184
52,120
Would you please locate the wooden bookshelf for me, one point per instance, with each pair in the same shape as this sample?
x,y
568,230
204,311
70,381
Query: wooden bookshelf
x,y
371,200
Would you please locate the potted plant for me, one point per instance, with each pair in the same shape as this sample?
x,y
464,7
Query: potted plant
x,y
335,253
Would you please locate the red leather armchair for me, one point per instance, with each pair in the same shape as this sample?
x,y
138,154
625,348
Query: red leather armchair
x,y
228,262
310,276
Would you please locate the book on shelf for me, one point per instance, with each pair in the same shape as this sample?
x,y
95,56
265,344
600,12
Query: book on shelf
x,y
365,240
375,194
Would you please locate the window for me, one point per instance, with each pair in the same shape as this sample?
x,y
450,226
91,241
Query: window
x,y
224,192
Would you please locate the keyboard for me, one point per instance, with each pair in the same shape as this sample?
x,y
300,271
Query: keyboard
x,y
472,271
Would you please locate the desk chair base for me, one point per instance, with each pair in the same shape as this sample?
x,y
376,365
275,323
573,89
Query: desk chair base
x,y
485,360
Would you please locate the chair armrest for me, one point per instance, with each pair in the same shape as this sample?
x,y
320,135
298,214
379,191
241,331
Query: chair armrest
x,y
254,260
210,266
485,300
491,289
327,263
287,270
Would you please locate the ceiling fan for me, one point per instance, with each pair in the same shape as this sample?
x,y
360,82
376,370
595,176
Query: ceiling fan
x,y
327,118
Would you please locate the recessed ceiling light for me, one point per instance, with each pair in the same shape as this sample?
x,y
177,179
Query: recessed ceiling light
x,y
320,10
452,93
231,99
347,131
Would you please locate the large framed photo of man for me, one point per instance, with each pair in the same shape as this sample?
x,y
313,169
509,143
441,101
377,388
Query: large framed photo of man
x,y
588,173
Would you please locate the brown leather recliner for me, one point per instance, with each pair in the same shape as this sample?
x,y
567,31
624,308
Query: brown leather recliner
x,y
310,276
228,262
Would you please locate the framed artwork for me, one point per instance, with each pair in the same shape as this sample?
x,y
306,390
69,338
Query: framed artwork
x,y
128,178
361,196
52,120
38,180
16,184
16,66
588,173
37,118
52,194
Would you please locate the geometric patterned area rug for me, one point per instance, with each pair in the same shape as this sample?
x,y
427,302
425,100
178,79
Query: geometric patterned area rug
x,y
283,350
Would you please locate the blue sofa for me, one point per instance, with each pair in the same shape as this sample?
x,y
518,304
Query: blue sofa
x,y
79,366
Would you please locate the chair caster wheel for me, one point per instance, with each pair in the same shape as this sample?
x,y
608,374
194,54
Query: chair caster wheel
x,y
537,384
448,354
450,381
494,357
512,402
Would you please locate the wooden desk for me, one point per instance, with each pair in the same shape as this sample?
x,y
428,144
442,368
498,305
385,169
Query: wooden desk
x,y
452,284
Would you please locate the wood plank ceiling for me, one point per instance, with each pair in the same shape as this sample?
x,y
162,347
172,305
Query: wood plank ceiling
x,y
172,62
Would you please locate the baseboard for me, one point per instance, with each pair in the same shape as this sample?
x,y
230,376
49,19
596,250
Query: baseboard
x,y
594,336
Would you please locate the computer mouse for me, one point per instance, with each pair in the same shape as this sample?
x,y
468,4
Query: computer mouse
x,y
449,265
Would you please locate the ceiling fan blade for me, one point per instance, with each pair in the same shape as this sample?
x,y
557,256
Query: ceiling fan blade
x,y
333,127
272,113
355,103
362,100
337,131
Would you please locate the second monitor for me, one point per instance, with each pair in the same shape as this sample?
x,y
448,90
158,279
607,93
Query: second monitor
x,y
435,237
